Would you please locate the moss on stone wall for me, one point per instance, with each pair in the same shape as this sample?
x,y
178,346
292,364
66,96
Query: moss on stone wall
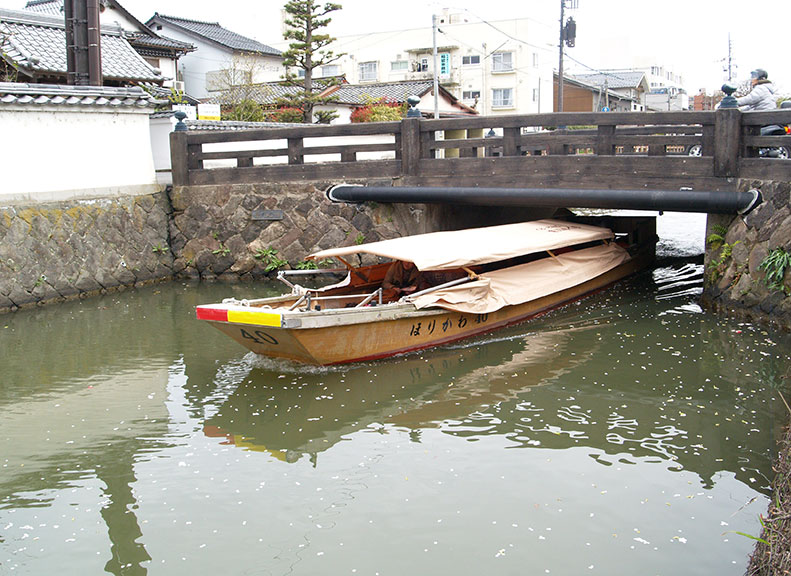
x,y
737,249
63,250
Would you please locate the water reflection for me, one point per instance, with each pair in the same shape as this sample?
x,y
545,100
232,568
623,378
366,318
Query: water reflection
x,y
587,376
310,410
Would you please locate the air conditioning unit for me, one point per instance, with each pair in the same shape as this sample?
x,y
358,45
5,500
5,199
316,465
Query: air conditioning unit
x,y
178,86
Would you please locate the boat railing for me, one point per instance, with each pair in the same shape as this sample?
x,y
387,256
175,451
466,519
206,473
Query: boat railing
x,y
456,282
296,288
310,300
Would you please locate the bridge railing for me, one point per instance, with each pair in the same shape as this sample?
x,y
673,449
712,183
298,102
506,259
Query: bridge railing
x,y
609,150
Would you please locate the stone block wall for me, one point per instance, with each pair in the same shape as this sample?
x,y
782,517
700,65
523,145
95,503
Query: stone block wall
x,y
72,248
735,283
216,232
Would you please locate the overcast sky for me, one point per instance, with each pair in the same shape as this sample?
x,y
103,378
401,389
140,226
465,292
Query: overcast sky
x,y
690,36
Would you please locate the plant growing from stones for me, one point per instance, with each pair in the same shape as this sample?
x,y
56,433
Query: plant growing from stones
x,y
159,249
307,265
360,238
222,250
313,264
269,258
775,264
719,264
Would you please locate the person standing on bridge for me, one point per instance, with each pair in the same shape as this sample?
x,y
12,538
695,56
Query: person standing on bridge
x,y
762,94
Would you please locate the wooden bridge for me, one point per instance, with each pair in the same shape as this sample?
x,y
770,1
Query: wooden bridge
x,y
606,151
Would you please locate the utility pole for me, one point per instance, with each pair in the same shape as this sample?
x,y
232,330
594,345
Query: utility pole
x,y
436,70
568,33
560,61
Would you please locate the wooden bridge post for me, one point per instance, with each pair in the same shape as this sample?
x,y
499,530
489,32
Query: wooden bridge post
x,y
179,167
410,146
605,144
727,142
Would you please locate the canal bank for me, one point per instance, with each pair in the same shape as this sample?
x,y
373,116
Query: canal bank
x,y
748,259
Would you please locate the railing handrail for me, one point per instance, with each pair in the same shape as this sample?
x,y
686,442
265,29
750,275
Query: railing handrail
x,y
416,145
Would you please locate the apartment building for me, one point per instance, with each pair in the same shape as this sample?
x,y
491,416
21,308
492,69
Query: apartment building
x,y
498,67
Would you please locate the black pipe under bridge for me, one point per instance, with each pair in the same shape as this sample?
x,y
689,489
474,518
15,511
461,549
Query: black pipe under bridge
x,y
656,200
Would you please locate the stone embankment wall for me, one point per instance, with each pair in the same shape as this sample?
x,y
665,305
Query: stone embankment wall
x,y
736,254
80,247
235,232
67,249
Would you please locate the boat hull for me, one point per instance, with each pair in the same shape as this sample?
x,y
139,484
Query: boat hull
x,y
359,334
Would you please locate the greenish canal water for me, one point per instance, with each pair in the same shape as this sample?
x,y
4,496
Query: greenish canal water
x,y
629,433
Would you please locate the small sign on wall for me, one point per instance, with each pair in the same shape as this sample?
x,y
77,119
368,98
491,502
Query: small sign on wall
x,y
260,214
208,111
188,109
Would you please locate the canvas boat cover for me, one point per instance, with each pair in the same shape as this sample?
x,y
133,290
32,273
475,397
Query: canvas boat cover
x,y
524,283
459,248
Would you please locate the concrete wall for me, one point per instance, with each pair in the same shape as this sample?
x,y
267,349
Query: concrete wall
x,y
736,247
532,66
57,153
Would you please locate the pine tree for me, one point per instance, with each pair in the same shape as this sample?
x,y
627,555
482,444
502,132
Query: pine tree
x,y
307,51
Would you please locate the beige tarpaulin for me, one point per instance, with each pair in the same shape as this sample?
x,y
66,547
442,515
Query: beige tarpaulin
x,y
519,284
454,249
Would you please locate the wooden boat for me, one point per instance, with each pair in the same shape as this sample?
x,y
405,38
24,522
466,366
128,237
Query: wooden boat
x,y
502,275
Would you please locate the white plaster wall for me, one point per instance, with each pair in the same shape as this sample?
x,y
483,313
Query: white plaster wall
x,y
160,141
210,57
58,154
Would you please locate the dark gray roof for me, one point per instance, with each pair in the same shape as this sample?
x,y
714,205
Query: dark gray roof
x,y
52,7
141,40
141,36
14,93
222,124
214,32
361,94
36,45
615,79
265,93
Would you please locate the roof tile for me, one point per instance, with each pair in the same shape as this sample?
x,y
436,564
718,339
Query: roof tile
x,y
216,33
36,44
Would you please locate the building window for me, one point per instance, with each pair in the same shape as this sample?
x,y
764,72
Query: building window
x,y
471,60
470,94
368,71
399,66
503,98
535,59
331,70
423,65
502,62
444,65
536,93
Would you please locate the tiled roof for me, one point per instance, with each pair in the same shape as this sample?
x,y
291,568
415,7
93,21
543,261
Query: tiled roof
x,y
143,39
265,93
74,96
36,45
53,7
222,124
361,94
216,33
614,80
142,36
